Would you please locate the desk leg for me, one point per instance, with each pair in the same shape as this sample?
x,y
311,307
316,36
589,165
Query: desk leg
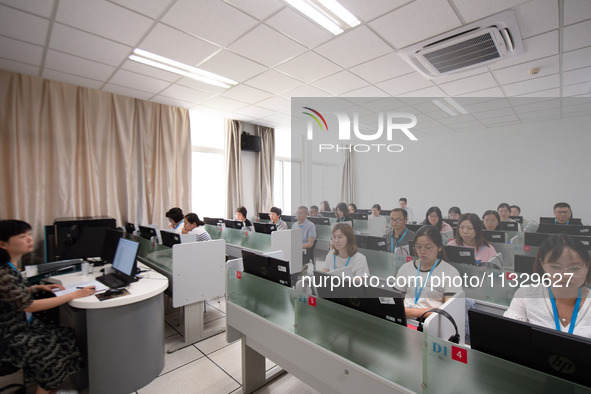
x,y
194,331
253,368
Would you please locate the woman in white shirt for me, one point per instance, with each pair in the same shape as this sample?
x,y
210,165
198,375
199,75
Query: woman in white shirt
x,y
193,225
343,252
469,235
562,302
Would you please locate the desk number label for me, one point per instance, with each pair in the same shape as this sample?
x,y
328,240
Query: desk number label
x,y
526,248
408,258
312,301
239,274
459,354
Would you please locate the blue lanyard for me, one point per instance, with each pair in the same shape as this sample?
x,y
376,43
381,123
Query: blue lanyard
x,y
334,262
13,267
341,220
418,294
177,226
573,318
567,222
400,240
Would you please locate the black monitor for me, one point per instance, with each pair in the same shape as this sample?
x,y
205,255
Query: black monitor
x,y
555,353
319,220
170,238
524,264
265,228
494,236
552,220
129,227
451,222
551,228
508,226
264,216
358,216
365,211
237,224
270,268
279,271
289,218
385,212
534,239
414,227
148,232
460,254
327,214
213,221
371,242
110,244
518,219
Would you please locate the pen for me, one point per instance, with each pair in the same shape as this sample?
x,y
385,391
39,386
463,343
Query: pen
x,y
82,287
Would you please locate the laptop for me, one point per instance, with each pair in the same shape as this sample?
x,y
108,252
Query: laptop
x,y
170,238
124,265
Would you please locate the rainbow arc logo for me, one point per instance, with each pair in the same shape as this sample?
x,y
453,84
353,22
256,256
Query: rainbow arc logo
x,y
315,118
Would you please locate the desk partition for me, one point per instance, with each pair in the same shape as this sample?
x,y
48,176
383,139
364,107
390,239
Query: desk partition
x,y
240,239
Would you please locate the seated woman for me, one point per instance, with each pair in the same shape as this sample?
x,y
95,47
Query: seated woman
x,y
343,252
435,218
325,207
504,211
47,354
352,208
193,225
420,295
241,216
491,220
379,220
454,213
469,234
343,213
565,305
175,217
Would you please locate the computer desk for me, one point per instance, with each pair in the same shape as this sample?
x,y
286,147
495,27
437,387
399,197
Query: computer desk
x,y
122,338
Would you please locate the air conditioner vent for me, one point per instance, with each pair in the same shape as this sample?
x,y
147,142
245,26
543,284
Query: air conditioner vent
x,y
466,53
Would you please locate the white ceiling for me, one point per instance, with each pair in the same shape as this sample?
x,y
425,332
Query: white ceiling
x,y
275,53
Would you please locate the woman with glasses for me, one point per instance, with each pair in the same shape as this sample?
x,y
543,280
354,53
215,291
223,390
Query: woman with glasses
x,y
561,299
491,220
469,235
415,278
454,213
435,218
343,252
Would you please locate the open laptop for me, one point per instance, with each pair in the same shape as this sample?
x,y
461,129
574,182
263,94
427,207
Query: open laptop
x,y
124,265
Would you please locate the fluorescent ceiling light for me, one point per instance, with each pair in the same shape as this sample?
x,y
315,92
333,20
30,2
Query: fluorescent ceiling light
x,y
329,14
161,62
456,105
444,108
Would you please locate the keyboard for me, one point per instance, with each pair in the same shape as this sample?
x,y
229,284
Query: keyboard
x,y
112,281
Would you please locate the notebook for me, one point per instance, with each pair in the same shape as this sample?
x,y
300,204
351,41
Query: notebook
x,y
124,265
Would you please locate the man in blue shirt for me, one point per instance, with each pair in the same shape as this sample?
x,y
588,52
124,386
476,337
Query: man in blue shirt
x,y
308,232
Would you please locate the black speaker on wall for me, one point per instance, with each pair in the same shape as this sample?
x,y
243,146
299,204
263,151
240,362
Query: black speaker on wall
x,y
250,142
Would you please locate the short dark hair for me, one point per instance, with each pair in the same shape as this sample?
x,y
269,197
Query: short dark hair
x,y
402,199
175,214
491,212
376,206
516,206
504,205
438,212
194,218
241,210
314,207
562,205
555,245
434,235
8,229
454,210
402,211
352,205
276,210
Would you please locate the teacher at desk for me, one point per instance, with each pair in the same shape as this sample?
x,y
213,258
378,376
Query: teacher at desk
x,y
47,354
564,303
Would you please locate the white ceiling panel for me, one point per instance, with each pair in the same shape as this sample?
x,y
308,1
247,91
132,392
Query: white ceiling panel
x,y
536,17
153,72
72,79
543,93
578,89
279,118
124,26
77,66
577,36
223,104
152,8
126,91
17,67
214,21
416,22
475,106
536,47
232,66
576,59
195,84
431,91
540,115
255,112
86,45
298,27
246,94
535,105
21,51
492,92
577,76
340,82
23,26
378,7
308,67
368,91
455,77
549,65
382,68
277,104
576,11
173,44
175,102
259,9
184,93
406,83
473,10
38,7
138,82
535,85
266,46
273,82
306,91
470,84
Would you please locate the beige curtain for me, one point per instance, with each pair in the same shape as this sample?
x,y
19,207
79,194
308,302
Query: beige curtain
x,y
348,184
265,164
233,167
73,151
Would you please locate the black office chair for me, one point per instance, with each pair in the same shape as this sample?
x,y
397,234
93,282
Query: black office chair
x,y
7,369
309,256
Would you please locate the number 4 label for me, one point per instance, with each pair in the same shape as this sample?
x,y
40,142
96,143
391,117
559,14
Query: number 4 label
x,y
459,354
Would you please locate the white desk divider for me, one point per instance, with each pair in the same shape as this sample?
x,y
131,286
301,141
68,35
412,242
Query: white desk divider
x,y
277,254
377,226
186,238
439,326
290,242
199,274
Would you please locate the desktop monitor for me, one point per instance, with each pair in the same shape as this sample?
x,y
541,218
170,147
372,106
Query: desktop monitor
x,y
494,236
524,264
508,226
112,237
319,220
129,227
451,222
265,228
327,214
170,238
534,239
414,227
460,254
148,232
80,237
551,228
213,221
266,267
385,212
237,224
552,220
358,216
365,211
264,216
289,218
518,219
279,271
555,353
371,242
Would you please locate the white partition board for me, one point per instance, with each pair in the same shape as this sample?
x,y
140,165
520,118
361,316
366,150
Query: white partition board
x,y
290,242
439,326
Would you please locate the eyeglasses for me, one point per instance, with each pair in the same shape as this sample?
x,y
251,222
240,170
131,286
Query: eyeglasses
x,y
556,268
396,220
561,212
489,221
424,248
338,237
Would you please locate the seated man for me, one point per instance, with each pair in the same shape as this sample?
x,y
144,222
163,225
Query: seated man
x,y
398,236
314,211
308,232
275,216
562,213
403,203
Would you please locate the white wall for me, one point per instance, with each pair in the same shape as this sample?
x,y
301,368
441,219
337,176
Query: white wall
x,y
532,165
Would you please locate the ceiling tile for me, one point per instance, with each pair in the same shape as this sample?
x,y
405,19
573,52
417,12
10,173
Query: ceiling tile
x,y
380,69
484,104
23,26
277,104
184,93
460,75
77,66
223,103
353,47
540,115
81,44
279,118
266,46
254,111
72,79
172,102
20,51
123,26
576,59
17,67
214,21
260,9
138,82
536,47
575,90
151,8
503,113
577,36
416,22
171,43
308,67
537,17
521,107
576,11
577,76
472,10
549,65
535,85
470,84
150,71
38,7
298,27
340,82
195,84
246,94
306,91
431,91
232,66
368,91
126,91
366,13
404,84
273,82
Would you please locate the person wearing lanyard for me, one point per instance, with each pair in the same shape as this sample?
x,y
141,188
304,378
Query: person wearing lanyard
x,y
47,353
275,216
564,304
491,220
414,278
342,211
343,252
176,218
562,213
399,235
469,234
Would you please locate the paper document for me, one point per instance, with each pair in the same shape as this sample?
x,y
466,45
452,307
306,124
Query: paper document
x,y
99,287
